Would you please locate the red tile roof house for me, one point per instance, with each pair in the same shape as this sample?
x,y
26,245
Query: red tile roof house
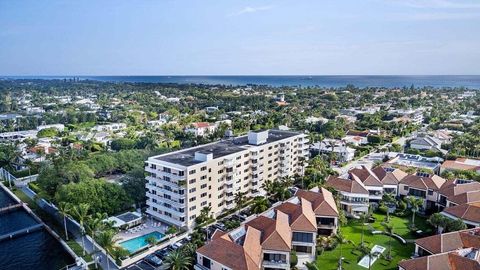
x,y
265,242
354,195
458,191
365,186
424,186
378,181
450,251
324,208
469,213
201,128
357,137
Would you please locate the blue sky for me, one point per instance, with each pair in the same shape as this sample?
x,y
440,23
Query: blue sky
x,y
233,37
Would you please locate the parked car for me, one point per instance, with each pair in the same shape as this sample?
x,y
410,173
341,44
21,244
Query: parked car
x,y
162,253
154,260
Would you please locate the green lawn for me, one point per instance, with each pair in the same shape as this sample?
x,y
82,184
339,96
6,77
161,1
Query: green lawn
x,y
352,231
400,224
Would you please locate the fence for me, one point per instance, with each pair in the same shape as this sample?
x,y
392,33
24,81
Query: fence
x,y
7,176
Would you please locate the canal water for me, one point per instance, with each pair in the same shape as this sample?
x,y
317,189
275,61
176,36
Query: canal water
x,y
36,249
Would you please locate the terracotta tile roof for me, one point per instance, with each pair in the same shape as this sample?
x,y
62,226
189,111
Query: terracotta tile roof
x,y
366,176
264,224
323,203
459,165
450,188
301,216
276,233
346,185
454,260
414,264
281,237
433,182
468,197
468,212
217,234
233,255
389,178
201,124
446,242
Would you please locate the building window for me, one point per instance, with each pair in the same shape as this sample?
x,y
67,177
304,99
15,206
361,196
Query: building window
x,y
203,168
203,186
192,199
192,190
302,237
191,181
191,172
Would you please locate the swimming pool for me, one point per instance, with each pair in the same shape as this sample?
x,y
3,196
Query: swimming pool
x,y
139,242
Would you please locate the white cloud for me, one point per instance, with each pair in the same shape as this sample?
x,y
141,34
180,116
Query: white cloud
x,y
246,10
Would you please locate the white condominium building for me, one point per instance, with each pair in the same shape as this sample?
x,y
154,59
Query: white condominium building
x,y
180,184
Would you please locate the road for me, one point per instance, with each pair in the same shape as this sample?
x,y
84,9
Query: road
x,y
369,159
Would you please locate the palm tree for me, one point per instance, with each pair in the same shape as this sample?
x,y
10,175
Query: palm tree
x,y
311,266
341,240
363,217
259,205
64,209
176,260
389,198
438,220
105,239
415,203
269,187
365,251
80,213
93,225
389,231
239,200
118,253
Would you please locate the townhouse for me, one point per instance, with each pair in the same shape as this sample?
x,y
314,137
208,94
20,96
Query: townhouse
x,y
353,194
267,240
469,213
458,191
448,251
324,208
180,184
424,186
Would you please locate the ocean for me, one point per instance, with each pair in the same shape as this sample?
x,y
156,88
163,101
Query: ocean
x,y
438,81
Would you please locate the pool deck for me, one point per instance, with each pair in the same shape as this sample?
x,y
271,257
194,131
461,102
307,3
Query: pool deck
x,y
151,226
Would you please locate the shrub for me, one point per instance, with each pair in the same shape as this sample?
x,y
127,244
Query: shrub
x,y
383,208
293,258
